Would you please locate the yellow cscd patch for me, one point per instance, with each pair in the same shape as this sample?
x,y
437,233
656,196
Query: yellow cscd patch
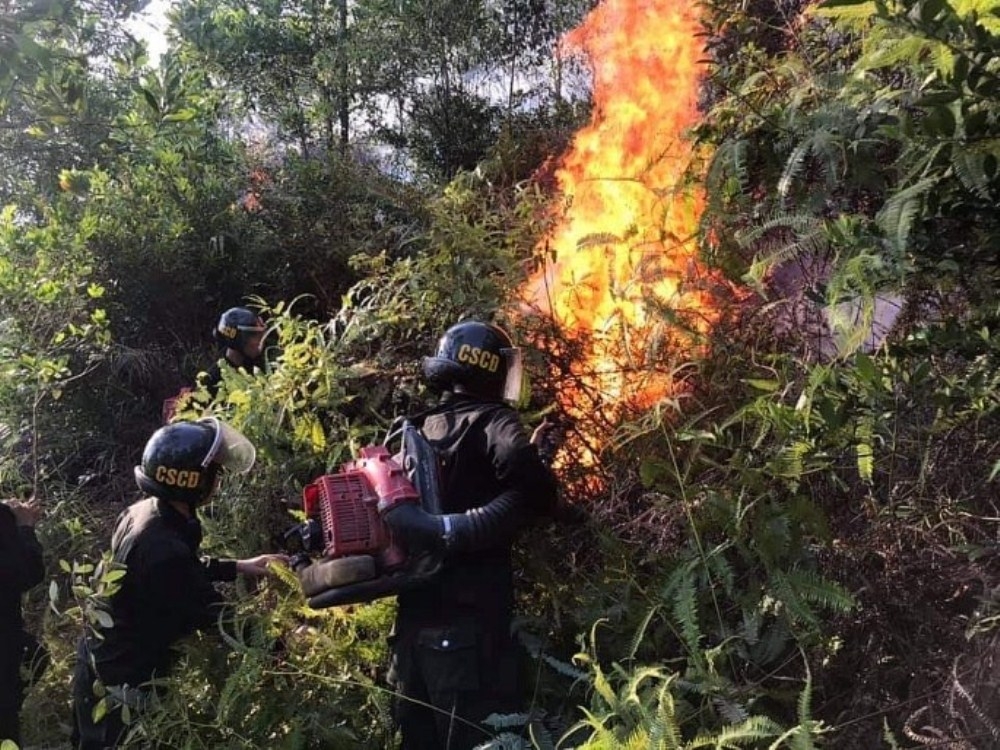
x,y
473,355
188,478
229,332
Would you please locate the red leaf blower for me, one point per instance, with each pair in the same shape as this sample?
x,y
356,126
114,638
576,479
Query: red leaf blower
x,y
345,552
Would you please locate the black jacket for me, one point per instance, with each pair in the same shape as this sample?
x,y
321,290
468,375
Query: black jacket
x,y
21,567
165,595
485,452
212,378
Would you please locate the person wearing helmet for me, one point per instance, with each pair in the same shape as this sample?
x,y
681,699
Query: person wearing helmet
x,y
166,592
240,331
21,568
454,661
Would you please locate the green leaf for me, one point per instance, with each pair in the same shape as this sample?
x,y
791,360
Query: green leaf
x,y
183,115
151,100
113,575
937,97
103,619
930,9
768,386
866,368
940,121
100,710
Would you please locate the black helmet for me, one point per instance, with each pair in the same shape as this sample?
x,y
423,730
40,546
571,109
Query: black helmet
x,y
478,358
236,325
181,461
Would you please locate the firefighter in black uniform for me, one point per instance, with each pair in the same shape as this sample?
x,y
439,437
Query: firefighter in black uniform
x,y
21,567
167,592
454,661
241,332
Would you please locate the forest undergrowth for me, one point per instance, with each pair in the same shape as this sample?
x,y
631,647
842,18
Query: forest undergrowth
x,y
796,548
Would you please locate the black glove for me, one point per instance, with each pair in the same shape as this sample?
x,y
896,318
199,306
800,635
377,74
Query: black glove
x,y
415,528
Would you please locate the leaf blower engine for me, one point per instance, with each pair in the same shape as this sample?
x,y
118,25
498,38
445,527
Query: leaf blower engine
x,y
344,552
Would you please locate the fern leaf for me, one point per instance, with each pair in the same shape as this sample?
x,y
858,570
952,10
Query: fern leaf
x,y
896,216
665,730
640,633
684,606
892,52
720,569
803,740
851,16
968,166
752,730
863,447
800,588
597,239
541,737
793,167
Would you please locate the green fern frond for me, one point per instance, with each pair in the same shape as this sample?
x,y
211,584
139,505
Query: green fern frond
x,y
799,223
682,592
773,538
896,217
863,433
893,52
798,589
813,242
541,738
943,57
720,570
665,730
730,710
793,167
640,633
853,16
603,688
803,739
563,668
888,737
789,463
632,690
506,721
752,730
775,641
969,169
729,163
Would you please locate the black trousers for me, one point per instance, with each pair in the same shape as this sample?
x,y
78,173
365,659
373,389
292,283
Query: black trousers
x,y
448,678
88,734
11,690
17,649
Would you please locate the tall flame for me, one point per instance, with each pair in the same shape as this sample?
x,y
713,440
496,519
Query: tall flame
x,y
620,275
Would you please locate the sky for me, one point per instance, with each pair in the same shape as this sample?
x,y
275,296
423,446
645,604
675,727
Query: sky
x,y
151,25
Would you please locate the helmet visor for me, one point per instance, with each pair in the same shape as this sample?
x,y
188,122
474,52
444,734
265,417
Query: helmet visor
x,y
230,449
515,373
257,327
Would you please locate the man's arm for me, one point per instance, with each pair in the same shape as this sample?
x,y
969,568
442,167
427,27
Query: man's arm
x,y
530,490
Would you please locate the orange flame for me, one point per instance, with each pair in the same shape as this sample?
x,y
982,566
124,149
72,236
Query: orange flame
x,y
620,271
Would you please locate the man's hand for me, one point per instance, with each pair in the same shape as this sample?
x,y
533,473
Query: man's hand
x,y
543,432
255,567
26,512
